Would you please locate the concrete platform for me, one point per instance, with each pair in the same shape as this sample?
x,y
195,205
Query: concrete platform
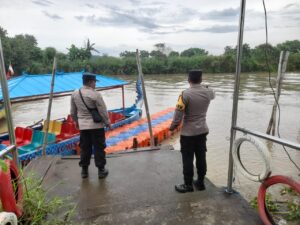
x,y
140,190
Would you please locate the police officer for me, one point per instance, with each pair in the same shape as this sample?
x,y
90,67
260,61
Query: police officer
x,y
92,136
191,107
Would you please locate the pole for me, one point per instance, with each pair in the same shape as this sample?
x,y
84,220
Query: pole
x,y
45,141
281,72
236,94
141,76
123,98
7,105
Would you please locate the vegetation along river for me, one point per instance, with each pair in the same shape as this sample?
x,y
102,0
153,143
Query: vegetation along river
x,y
255,104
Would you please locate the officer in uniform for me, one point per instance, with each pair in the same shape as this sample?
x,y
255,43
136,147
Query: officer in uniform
x,y
191,107
92,136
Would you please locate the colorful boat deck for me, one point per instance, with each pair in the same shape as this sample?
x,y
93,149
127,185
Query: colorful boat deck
x,y
127,134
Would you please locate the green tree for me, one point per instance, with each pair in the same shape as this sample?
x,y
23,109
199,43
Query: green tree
x,y
193,52
173,54
77,53
49,54
157,54
23,52
291,46
144,54
127,54
89,48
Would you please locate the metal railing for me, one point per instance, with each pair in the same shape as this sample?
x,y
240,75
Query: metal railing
x,y
269,138
7,150
234,126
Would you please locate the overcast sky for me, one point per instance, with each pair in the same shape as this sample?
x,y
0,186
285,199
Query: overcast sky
x,y
121,25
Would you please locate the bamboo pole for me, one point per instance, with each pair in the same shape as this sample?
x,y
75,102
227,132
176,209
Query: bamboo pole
x,y
141,76
7,106
45,141
280,76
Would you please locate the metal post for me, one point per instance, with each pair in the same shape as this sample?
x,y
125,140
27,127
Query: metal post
x,y
145,96
45,141
123,98
236,94
7,105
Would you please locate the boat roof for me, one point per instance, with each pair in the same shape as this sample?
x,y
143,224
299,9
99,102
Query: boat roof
x,y
34,85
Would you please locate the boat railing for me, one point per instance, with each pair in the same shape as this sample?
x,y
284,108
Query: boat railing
x,y
7,150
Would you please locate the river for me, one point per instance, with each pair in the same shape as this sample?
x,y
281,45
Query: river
x,y
254,110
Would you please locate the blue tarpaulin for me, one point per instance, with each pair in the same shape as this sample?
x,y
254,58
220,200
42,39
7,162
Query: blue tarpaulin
x,y
37,85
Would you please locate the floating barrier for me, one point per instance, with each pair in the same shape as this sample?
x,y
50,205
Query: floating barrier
x,y
136,134
128,133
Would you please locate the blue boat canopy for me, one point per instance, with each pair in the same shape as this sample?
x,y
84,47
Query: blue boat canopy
x,y
30,86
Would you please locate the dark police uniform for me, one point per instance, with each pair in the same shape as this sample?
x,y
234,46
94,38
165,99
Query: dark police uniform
x,y
192,107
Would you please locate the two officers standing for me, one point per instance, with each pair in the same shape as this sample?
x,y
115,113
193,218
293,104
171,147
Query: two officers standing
x,y
191,108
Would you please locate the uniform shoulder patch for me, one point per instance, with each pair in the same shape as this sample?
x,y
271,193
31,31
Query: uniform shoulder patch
x,y
180,104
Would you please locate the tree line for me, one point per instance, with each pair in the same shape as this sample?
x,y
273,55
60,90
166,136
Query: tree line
x,y
23,53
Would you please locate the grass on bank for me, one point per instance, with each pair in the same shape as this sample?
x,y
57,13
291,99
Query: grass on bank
x,y
37,207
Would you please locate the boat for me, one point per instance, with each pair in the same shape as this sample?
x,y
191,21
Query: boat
x,y
63,137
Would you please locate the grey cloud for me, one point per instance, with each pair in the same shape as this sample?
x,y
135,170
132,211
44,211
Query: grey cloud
x,y
289,5
291,11
135,2
80,18
52,16
225,14
121,19
42,2
221,29
90,5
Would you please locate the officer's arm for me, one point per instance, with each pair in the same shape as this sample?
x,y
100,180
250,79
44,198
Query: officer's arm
x,y
73,110
179,112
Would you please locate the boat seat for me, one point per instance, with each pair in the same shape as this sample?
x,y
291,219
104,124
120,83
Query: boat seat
x,y
68,130
37,141
54,127
69,119
23,136
115,117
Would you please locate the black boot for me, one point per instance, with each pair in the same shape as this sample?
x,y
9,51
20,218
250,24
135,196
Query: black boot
x,y
84,172
183,188
102,173
199,185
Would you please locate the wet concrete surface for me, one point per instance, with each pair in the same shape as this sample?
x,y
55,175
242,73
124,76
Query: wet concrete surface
x,y
140,190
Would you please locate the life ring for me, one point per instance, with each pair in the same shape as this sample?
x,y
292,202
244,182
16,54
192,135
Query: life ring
x,y
263,151
278,179
8,218
11,200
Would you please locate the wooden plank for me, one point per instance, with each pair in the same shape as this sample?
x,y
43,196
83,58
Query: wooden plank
x,y
40,166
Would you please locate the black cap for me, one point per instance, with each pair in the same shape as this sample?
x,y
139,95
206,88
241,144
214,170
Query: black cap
x,y
195,76
88,77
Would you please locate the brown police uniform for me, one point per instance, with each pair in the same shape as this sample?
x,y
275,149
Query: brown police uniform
x,y
192,107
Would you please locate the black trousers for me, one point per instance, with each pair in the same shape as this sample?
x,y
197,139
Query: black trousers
x,y
190,146
93,139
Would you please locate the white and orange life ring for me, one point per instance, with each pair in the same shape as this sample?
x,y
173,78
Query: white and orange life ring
x,y
11,189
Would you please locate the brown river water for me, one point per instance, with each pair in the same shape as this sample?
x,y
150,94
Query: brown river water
x,y
255,105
